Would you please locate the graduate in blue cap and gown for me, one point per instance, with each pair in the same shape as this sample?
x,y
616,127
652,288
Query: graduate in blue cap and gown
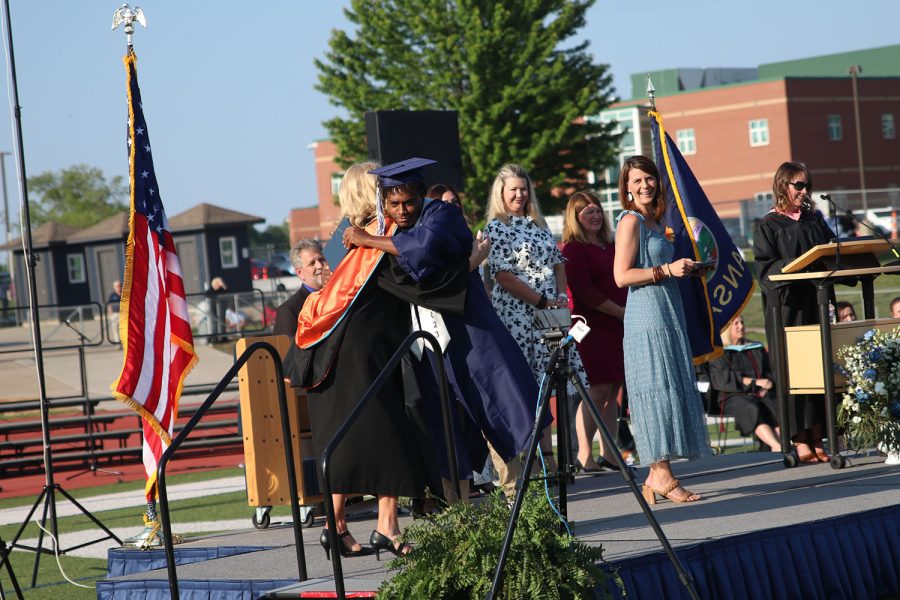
x,y
485,366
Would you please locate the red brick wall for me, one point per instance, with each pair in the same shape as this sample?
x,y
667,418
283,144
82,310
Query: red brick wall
x,y
730,170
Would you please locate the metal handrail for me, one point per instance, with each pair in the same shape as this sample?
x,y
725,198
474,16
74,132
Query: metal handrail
x,y
288,457
376,386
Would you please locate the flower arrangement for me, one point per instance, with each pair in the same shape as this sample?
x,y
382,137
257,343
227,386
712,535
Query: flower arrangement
x,y
870,411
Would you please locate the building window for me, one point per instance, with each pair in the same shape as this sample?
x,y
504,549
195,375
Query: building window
x,y
759,132
75,263
835,130
336,183
687,141
228,252
888,131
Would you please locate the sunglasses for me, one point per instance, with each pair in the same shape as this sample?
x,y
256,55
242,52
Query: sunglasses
x,y
799,185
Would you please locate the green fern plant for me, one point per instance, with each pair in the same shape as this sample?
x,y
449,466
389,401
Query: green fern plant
x,y
456,552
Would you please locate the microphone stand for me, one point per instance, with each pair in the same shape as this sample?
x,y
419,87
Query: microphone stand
x,y
877,233
837,240
51,488
88,410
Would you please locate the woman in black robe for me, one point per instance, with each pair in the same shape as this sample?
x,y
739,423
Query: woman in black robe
x,y
792,227
743,377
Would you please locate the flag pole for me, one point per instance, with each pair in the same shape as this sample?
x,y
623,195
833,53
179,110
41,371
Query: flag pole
x,y
651,95
48,492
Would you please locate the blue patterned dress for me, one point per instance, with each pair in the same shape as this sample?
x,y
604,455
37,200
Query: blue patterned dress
x,y
666,411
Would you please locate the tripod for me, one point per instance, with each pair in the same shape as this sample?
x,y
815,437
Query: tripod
x,y
50,488
88,410
4,562
559,372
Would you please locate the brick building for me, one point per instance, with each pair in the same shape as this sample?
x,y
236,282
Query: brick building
x,y
734,135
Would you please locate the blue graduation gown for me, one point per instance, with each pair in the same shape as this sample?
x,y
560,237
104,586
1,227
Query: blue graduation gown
x,y
485,368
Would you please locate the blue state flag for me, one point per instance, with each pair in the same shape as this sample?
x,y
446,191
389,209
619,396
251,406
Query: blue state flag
x,y
713,301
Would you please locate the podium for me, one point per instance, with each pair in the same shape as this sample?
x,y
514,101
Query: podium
x,y
264,466
795,349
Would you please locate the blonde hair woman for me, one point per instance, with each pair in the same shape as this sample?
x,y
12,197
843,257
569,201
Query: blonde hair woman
x,y
356,193
379,455
528,270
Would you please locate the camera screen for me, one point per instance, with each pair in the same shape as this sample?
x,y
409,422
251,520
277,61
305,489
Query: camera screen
x,y
552,318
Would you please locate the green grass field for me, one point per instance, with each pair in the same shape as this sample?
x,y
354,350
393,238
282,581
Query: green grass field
x,y
887,287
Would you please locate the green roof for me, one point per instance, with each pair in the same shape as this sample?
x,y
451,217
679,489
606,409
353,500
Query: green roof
x,y
875,62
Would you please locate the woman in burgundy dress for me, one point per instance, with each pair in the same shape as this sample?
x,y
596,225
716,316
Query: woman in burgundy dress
x,y
589,254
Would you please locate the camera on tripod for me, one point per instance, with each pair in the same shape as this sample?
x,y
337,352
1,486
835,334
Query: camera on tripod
x,y
557,322
553,322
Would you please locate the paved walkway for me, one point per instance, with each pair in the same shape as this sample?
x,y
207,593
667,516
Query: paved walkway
x,y
95,504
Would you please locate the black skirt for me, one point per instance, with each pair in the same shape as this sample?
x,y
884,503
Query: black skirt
x,y
379,455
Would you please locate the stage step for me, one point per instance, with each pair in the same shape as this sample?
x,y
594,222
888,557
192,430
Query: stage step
x,y
126,561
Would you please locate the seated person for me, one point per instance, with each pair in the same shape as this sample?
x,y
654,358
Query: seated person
x,y
845,312
234,320
309,263
743,377
895,308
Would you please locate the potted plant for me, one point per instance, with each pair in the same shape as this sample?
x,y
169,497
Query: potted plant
x,y
870,410
456,552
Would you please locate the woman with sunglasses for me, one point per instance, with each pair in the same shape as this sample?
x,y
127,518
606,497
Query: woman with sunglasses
x,y
792,227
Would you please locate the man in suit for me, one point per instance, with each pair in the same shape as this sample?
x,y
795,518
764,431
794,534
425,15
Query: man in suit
x,y
309,263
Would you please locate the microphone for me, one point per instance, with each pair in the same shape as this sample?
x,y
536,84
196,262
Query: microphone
x,y
877,233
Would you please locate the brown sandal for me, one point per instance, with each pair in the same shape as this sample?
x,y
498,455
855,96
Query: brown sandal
x,y
651,493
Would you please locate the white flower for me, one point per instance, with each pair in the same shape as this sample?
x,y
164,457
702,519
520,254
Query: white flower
x,y
857,419
848,401
880,389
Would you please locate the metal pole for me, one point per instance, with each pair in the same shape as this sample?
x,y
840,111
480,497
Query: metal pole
x,y
6,228
855,70
30,264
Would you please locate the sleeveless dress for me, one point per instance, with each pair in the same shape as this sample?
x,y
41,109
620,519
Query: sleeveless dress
x,y
666,411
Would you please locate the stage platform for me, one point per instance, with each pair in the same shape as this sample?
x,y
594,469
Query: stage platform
x,y
762,531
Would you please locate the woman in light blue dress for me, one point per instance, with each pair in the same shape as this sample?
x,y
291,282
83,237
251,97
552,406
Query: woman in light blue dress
x,y
666,411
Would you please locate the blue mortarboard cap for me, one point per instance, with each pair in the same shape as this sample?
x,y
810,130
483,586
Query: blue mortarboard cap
x,y
405,171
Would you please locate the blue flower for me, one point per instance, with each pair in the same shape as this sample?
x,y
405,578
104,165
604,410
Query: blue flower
x,y
868,335
861,396
869,374
895,409
875,355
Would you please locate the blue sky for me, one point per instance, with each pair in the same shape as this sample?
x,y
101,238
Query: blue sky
x,y
229,99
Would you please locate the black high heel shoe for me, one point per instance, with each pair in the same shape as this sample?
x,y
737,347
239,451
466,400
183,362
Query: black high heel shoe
x,y
325,541
380,542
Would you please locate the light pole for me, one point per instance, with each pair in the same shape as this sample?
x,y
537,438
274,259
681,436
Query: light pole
x,y
6,228
855,70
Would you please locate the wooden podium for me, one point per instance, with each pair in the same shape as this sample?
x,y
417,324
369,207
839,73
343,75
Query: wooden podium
x,y
805,353
264,467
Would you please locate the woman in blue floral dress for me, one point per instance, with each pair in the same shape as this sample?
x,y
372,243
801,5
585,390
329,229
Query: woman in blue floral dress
x,y
666,411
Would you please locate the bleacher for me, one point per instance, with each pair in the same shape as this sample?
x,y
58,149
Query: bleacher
x,y
103,438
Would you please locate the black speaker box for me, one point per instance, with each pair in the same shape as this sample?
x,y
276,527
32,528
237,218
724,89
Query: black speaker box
x,y
395,135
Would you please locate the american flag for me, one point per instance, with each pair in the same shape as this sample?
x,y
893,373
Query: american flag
x,y
154,324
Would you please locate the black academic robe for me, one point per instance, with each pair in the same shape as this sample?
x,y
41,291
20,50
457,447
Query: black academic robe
x,y
780,240
286,315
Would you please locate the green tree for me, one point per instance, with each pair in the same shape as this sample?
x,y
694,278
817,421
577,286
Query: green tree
x,y
79,196
273,236
511,70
